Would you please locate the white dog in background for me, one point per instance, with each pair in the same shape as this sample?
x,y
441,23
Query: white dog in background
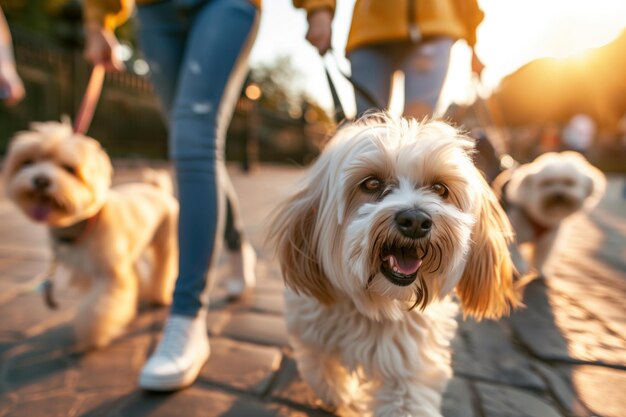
x,y
390,220
538,196
101,234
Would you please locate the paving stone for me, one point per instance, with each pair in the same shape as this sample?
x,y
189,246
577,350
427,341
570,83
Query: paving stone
x,y
26,311
502,401
114,367
535,324
484,351
457,400
606,312
216,320
24,270
546,329
7,400
576,315
273,303
562,390
257,328
284,411
191,402
7,341
29,371
289,386
241,365
53,406
601,389
100,404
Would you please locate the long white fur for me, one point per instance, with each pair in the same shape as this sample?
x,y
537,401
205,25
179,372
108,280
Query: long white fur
x,y
356,340
570,174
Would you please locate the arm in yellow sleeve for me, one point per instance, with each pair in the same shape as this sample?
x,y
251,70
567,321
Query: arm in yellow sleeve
x,y
107,14
471,16
311,5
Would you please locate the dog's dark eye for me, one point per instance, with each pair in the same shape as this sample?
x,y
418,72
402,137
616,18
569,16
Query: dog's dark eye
x,y
569,182
372,185
70,169
27,162
440,189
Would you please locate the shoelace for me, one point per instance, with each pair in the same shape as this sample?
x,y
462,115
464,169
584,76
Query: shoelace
x,y
174,337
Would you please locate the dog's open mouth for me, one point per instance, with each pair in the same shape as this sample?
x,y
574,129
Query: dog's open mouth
x,y
42,207
400,264
560,204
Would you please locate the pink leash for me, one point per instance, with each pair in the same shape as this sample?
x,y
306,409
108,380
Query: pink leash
x,y
81,125
90,100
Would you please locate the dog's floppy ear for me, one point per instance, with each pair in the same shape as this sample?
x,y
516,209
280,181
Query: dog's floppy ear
x,y
21,146
520,185
486,288
596,183
293,234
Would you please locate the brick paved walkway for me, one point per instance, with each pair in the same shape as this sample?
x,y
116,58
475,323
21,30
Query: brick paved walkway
x,y
565,355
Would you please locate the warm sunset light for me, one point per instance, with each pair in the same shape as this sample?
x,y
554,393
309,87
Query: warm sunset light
x,y
306,207
253,92
512,34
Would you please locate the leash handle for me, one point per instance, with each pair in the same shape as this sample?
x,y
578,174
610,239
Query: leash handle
x,y
90,99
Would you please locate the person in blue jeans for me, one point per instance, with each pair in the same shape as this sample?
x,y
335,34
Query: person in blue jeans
x,y
198,52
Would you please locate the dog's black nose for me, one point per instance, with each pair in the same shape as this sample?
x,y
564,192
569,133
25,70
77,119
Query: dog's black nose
x,y
413,223
41,182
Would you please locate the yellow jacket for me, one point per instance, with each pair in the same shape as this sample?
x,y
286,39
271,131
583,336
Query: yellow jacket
x,y
375,21
112,13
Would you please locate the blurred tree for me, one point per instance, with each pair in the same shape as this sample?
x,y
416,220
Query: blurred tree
x,y
283,95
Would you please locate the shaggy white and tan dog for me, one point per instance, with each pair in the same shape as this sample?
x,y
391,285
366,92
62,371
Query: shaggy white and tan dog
x,y
540,195
101,234
387,224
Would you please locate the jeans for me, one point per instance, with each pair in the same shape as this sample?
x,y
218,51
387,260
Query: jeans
x,y
198,60
424,65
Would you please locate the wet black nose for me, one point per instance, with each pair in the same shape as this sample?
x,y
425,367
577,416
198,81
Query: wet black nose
x,y
41,182
413,223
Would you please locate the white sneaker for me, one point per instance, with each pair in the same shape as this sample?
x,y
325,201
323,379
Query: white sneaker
x,y
180,355
241,276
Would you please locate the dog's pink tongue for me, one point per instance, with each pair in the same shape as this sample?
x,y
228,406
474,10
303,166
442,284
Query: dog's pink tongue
x,y
40,212
407,265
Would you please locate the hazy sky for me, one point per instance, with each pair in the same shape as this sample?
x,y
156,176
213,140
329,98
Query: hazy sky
x,y
513,33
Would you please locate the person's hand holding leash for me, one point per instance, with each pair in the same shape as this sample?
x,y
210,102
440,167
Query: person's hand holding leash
x,y
100,47
11,86
320,29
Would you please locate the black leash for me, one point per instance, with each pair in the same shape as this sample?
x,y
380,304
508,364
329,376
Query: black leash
x,y
358,89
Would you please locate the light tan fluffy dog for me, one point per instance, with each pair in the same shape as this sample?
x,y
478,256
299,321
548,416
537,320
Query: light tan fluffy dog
x,y
101,234
388,223
540,195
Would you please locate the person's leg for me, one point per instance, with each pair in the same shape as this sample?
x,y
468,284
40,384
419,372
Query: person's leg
x,y
241,255
163,44
425,66
162,37
372,69
212,73
210,77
